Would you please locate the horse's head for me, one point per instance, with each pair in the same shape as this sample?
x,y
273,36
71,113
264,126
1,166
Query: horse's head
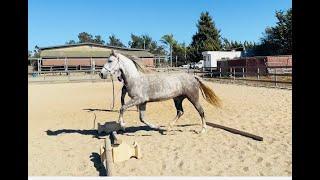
x,y
112,67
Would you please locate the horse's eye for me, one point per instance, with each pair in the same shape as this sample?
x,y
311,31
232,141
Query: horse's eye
x,y
109,61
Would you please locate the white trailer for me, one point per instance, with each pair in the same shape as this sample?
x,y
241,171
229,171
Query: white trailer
x,y
211,57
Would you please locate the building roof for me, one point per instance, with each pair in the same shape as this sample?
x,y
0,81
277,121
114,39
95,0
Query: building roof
x,y
99,50
91,44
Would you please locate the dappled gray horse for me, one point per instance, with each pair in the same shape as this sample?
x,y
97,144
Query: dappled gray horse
x,y
144,88
124,88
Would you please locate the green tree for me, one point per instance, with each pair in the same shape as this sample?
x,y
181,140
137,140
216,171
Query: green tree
x,y
71,42
146,42
154,48
228,45
225,44
29,53
169,41
85,37
207,38
98,40
36,52
114,41
136,42
277,40
141,42
249,45
180,52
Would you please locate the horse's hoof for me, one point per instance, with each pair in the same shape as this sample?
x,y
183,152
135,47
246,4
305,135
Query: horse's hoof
x,y
169,127
202,131
154,126
122,126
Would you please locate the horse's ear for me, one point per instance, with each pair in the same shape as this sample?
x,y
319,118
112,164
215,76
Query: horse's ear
x,y
113,53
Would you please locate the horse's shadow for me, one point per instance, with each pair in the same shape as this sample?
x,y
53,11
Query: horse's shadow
x,y
91,132
105,110
186,125
95,134
95,158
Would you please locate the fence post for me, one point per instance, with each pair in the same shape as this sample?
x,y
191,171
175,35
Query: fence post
x,y
220,72
94,68
211,71
65,64
242,72
275,76
176,61
234,73
39,64
258,73
91,68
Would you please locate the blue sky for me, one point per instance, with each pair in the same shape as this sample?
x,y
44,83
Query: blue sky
x,y
53,22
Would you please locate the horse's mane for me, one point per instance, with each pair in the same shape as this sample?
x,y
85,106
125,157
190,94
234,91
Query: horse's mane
x,y
136,64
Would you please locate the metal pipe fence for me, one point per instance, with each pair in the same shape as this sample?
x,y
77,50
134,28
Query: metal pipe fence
x,y
275,76
65,76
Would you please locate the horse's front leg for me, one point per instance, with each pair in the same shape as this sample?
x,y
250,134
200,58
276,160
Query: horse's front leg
x,y
130,103
142,109
123,95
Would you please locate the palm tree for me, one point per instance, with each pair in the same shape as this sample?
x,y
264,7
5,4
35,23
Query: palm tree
x,y
184,48
114,41
169,40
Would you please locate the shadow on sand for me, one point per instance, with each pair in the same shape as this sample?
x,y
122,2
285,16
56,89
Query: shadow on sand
x,y
94,132
95,158
186,125
105,110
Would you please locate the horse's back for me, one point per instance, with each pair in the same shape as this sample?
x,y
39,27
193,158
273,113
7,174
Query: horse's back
x,y
166,86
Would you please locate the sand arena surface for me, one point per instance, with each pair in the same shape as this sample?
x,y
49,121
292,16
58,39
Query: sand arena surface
x,y
62,143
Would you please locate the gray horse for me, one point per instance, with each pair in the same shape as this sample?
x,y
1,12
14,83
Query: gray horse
x,y
124,88
143,88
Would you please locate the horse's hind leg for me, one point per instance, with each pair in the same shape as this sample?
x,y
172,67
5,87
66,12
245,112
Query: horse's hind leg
x,y
142,108
178,104
195,101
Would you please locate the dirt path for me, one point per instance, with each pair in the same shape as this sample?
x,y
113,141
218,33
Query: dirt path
x,y
62,142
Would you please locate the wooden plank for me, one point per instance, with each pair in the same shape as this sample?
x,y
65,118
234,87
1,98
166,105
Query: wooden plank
x,y
235,131
108,162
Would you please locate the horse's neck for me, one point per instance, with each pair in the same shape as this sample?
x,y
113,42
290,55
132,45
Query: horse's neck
x,y
130,71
